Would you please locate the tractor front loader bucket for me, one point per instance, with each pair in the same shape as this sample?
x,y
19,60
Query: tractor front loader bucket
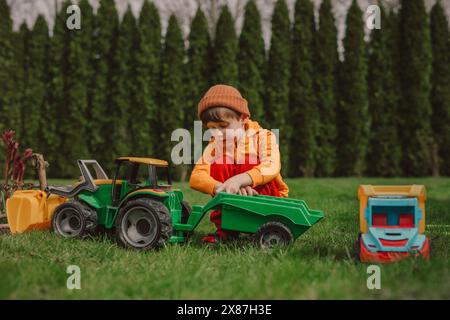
x,y
31,210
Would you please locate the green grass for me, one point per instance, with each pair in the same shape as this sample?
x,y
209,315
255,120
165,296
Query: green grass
x,y
318,265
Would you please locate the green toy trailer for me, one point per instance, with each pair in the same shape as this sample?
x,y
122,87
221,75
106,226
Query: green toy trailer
x,y
147,214
274,221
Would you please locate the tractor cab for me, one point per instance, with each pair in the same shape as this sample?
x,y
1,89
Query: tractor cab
x,y
134,173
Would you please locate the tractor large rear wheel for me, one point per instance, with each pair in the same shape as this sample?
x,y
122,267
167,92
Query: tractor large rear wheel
x,y
143,224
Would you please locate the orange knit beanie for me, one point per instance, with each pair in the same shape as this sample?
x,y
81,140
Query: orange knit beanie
x,y
222,95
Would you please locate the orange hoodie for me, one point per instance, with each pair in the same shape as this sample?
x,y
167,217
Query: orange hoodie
x,y
258,144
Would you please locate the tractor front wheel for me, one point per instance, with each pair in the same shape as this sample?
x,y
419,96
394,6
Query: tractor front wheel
x,y
73,219
274,234
143,224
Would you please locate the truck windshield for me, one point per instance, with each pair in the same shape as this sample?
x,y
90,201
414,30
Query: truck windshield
x,y
393,216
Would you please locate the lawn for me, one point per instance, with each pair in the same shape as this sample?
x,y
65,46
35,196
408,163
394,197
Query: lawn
x,y
319,265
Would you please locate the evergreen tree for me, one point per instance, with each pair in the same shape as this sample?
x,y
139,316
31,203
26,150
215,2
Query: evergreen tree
x,y
47,133
171,93
72,98
198,68
225,50
118,138
415,109
9,113
198,75
325,61
104,37
251,61
303,114
86,34
35,90
383,155
59,52
393,24
353,115
20,81
145,63
440,91
277,80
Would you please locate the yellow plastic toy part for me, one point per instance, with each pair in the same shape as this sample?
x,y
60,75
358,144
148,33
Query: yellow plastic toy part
x,y
413,191
31,210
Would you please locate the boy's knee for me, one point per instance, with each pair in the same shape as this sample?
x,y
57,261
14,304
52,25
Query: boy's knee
x,y
215,216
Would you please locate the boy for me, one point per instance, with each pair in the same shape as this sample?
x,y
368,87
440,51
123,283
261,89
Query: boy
x,y
241,157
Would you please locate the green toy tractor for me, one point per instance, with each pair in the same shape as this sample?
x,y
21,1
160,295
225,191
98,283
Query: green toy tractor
x,y
134,203
146,213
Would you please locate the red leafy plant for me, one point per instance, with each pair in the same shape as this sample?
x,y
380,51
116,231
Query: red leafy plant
x,y
15,163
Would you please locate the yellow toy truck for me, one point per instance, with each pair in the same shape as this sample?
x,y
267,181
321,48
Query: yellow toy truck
x,y
392,223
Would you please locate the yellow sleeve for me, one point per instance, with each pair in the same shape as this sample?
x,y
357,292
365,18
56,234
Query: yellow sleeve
x,y
269,158
201,179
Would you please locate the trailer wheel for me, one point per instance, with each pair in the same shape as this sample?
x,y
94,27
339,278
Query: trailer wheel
x,y
186,211
73,219
143,224
357,249
274,234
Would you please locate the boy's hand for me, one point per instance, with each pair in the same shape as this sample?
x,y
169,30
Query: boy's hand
x,y
217,187
228,186
248,191
234,184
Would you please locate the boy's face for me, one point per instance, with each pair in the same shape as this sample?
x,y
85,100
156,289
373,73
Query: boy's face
x,y
231,127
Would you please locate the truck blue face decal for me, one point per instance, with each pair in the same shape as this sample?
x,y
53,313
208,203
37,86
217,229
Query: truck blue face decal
x,y
393,224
